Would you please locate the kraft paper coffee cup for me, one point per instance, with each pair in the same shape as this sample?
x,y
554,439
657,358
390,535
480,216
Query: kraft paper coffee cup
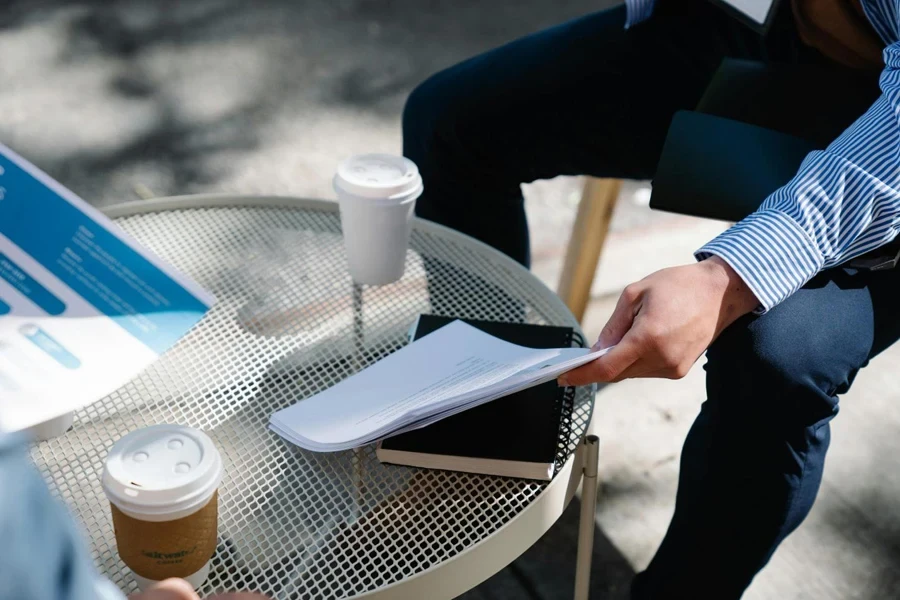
x,y
377,195
162,484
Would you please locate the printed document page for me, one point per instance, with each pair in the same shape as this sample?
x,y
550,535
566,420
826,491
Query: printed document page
x,y
456,366
83,307
757,10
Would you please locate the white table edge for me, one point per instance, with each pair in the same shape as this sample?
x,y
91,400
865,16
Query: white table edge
x,y
475,564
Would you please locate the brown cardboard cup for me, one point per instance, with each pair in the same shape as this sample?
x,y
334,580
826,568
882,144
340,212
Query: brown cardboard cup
x,y
162,484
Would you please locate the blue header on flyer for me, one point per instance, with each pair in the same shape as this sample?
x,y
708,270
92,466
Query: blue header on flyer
x,y
94,263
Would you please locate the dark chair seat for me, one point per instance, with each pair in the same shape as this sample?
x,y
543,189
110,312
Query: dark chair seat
x,y
721,161
722,169
749,134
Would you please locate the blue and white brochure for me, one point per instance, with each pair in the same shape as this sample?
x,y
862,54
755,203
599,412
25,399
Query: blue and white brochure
x,y
83,307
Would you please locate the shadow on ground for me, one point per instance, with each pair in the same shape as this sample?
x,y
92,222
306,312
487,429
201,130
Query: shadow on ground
x,y
547,570
173,95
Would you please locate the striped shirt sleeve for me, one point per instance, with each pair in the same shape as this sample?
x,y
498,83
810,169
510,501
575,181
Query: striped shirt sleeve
x,y
638,11
843,202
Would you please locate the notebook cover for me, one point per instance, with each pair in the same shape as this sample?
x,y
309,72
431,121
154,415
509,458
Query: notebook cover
x,y
521,427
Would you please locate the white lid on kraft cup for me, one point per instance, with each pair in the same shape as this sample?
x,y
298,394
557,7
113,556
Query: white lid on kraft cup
x,y
162,472
383,178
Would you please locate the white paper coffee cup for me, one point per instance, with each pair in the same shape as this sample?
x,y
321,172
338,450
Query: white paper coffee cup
x,y
377,195
162,483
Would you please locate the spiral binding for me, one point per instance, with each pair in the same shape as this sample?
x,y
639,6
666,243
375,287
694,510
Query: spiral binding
x,y
577,340
566,405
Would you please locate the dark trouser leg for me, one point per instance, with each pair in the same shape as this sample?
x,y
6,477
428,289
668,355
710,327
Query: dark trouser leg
x,y
585,97
752,462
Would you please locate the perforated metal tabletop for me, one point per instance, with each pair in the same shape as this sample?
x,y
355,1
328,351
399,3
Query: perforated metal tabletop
x,y
288,324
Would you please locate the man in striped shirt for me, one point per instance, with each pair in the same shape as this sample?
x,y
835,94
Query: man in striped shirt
x,y
785,325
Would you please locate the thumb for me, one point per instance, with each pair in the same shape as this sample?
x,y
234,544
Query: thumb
x,y
621,320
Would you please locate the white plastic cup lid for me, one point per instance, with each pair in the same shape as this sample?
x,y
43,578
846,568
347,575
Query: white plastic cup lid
x,y
162,470
379,177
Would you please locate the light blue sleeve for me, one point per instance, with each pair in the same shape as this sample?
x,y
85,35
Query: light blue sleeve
x,y
42,556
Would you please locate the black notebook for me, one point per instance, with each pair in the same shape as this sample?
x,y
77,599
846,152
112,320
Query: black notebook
x,y
514,436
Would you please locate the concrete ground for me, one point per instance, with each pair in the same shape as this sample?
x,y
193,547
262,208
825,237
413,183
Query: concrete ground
x,y
130,99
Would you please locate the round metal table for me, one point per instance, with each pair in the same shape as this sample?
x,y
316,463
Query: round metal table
x,y
289,323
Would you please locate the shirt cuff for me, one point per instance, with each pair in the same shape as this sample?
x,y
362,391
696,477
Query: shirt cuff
x,y
772,254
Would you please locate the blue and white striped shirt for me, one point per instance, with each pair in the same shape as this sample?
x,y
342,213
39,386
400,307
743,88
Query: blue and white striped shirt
x,y
843,202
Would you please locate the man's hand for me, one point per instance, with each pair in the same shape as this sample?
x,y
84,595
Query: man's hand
x,y
179,589
663,323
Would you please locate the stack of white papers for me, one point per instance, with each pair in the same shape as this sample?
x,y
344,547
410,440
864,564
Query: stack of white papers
x,y
453,369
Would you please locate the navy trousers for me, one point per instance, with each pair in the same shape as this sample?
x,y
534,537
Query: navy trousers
x,y
588,97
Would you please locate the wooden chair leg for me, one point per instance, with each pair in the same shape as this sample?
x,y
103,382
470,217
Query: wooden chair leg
x,y
598,200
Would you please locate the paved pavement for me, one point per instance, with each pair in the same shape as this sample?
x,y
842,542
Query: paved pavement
x,y
128,99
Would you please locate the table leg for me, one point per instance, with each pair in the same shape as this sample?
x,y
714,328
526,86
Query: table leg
x,y
358,335
586,522
358,346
